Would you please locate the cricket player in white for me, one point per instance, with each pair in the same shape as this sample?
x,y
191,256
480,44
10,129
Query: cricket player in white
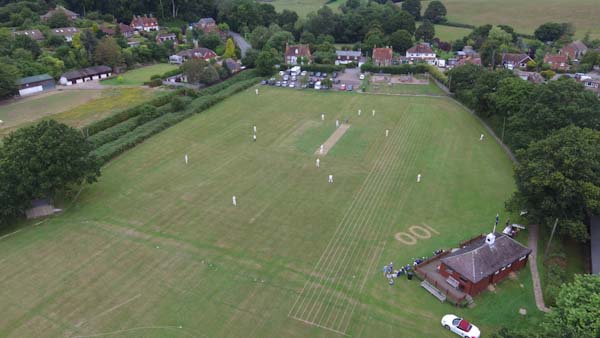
x,y
322,148
234,200
323,117
330,179
359,112
186,159
373,112
387,132
481,137
318,163
256,91
337,123
418,178
254,128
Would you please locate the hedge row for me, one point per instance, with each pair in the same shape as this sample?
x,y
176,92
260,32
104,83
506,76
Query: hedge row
x,y
149,113
456,24
242,76
144,131
126,114
323,68
438,75
401,69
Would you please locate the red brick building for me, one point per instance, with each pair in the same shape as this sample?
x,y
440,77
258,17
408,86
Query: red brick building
x,y
482,261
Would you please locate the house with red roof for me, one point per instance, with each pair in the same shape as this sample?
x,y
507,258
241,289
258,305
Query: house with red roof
x,y
515,60
60,9
196,53
382,57
297,54
574,51
557,61
144,23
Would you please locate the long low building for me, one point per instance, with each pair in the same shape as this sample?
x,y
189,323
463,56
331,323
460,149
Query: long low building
x,y
35,84
84,75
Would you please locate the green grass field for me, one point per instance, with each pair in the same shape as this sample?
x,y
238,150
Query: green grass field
x,y
156,248
74,107
526,16
449,34
405,89
138,76
302,7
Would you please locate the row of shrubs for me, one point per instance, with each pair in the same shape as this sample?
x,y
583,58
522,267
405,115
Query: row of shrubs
x,y
149,113
126,114
438,75
143,131
322,68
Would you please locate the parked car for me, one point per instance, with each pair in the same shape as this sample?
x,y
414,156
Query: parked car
x,y
294,78
362,76
349,88
336,81
263,82
343,86
335,74
292,85
318,85
281,73
278,84
303,73
286,77
284,84
324,75
460,326
311,73
318,74
311,85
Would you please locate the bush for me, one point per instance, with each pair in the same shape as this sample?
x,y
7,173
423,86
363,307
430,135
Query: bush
x,y
438,75
155,76
129,113
402,69
154,83
322,68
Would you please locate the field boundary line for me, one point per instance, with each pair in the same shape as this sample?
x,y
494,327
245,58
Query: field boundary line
x,y
10,234
320,326
109,310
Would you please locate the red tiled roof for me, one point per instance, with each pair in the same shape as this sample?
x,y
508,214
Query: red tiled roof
x,y
556,59
144,21
382,54
420,48
297,50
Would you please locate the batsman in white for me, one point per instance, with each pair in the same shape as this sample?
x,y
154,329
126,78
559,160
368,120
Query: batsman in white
x,y
318,163
330,179
234,200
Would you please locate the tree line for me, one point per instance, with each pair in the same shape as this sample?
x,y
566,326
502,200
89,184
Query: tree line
x,y
554,130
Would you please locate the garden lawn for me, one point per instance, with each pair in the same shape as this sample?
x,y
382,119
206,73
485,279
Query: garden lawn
x,y
137,77
303,7
526,16
157,249
450,34
76,108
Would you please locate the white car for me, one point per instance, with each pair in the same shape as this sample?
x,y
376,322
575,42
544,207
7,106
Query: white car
x,y
362,76
460,326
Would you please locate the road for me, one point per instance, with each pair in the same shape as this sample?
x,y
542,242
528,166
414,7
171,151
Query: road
x,y
241,42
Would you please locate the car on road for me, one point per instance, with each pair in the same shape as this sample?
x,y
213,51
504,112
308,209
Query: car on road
x,y
349,88
343,86
362,76
460,326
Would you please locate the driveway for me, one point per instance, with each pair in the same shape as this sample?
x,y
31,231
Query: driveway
x,y
241,42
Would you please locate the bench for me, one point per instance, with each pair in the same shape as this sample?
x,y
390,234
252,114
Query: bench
x,y
433,290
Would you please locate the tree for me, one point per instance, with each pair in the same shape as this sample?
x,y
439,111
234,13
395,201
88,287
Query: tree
x,y
510,96
413,7
547,74
8,79
48,158
27,43
210,41
559,177
265,63
401,40
550,31
485,88
399,20
287,19
259,36
425,32
58,19
229,49
577,311
374,38
108,53
192,69
491,53
249,60
279,40
54,65
436,12
208,75
88,42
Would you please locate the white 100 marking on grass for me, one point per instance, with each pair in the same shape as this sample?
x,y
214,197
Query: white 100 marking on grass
x,y
416,232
